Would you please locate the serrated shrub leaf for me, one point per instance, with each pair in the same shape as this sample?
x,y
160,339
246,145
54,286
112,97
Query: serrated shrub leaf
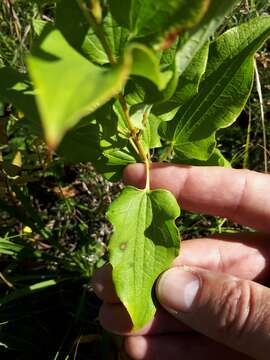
x,y
144,243
64,95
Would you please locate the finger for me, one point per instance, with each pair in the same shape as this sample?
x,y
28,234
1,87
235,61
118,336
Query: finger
x,y
103,285
227,309
175,347
115,319
240,195
243,255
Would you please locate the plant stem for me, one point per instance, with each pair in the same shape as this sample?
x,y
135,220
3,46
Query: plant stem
x,y
133,131
136,139
259,91
96,10
98,31
167,153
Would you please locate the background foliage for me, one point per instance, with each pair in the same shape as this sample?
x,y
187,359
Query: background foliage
x,y
53,232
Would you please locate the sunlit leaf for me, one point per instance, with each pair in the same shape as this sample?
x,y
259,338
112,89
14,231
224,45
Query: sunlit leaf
x,y
148,17
64,102
77,31
222,94
143,245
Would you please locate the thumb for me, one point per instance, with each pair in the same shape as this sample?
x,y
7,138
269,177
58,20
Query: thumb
x,y
229,310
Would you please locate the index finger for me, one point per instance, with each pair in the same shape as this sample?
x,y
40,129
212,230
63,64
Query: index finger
x,y
240,195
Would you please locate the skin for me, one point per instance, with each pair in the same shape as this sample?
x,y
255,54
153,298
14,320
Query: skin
x,y
230,316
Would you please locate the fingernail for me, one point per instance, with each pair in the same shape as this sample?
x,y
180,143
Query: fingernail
x,y
177,289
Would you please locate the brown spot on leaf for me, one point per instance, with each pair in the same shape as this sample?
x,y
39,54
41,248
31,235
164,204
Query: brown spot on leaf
x,y
123,246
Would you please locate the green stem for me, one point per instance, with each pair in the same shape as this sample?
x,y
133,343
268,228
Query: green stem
x,y
96,10
167,153
98,29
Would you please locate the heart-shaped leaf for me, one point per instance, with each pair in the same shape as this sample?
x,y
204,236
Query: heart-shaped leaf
x,y
143,245
64,95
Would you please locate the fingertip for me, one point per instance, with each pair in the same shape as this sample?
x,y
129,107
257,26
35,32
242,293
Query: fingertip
x,y
134,174
136,347
103,285
115,319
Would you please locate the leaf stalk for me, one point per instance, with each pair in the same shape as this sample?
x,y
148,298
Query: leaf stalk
x,y
98,29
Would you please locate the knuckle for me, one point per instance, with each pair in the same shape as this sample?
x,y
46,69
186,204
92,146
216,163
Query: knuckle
x,y
235,311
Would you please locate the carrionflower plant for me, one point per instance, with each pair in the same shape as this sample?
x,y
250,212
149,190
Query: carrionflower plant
x,y
119,82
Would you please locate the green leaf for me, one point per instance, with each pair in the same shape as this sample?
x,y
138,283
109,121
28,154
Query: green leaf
x,y
143,245
223,93
26,291
199,35
71,22
81,144
8,247
145,91
216,159
119,157
150,136
38,26
155,17
146,64
187,61
75,28
17,89
187,86
65,95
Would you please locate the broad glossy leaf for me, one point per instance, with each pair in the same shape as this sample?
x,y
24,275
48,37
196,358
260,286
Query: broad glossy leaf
x,y
223,93
144,91
146,64
200,34
187,61
65,95
187,86
143,245
180,57
119,157
216,159
150,136
148,17
78,33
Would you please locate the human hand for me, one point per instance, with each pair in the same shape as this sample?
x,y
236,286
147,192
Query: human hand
x,y
214,307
